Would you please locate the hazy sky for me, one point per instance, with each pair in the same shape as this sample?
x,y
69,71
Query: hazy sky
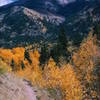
x,y
4,2
63,2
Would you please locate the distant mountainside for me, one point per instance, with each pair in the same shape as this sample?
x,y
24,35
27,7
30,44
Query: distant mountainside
x,y
54,6
20,25
79,23
30,21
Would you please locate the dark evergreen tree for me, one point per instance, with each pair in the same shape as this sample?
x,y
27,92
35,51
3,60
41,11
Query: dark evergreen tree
x,y
62,42
44,55
22,65
13,64
97,31
61,48
27,56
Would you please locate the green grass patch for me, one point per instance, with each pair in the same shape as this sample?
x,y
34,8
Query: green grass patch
x,y
52,92
38,98
2,71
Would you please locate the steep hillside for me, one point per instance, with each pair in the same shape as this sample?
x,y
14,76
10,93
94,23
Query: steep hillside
x,y
20,25
80,23
26,22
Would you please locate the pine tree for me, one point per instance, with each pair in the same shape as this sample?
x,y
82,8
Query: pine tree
x,y
27,56
62,42
97,31
22,65
61,48
13,64
44,56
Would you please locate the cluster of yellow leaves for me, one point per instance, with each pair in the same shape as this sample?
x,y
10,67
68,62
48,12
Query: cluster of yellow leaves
x,y
52,76
32,72
17,54
85,59
63,78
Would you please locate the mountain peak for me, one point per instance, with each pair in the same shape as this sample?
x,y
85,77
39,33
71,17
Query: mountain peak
x,y
64,2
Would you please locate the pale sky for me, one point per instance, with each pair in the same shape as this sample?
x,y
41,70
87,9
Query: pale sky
x,y
4,2
63,2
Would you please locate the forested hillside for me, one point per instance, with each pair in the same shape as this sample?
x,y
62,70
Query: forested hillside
x,y
30,22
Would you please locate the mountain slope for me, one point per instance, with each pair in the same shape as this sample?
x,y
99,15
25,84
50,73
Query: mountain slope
x,y
31,21
55,6
20,25
78,24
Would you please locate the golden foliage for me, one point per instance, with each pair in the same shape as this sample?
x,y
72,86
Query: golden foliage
x,y
85,62
32,72
17,54
70,83
64,78
68,78
85,59
52,76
